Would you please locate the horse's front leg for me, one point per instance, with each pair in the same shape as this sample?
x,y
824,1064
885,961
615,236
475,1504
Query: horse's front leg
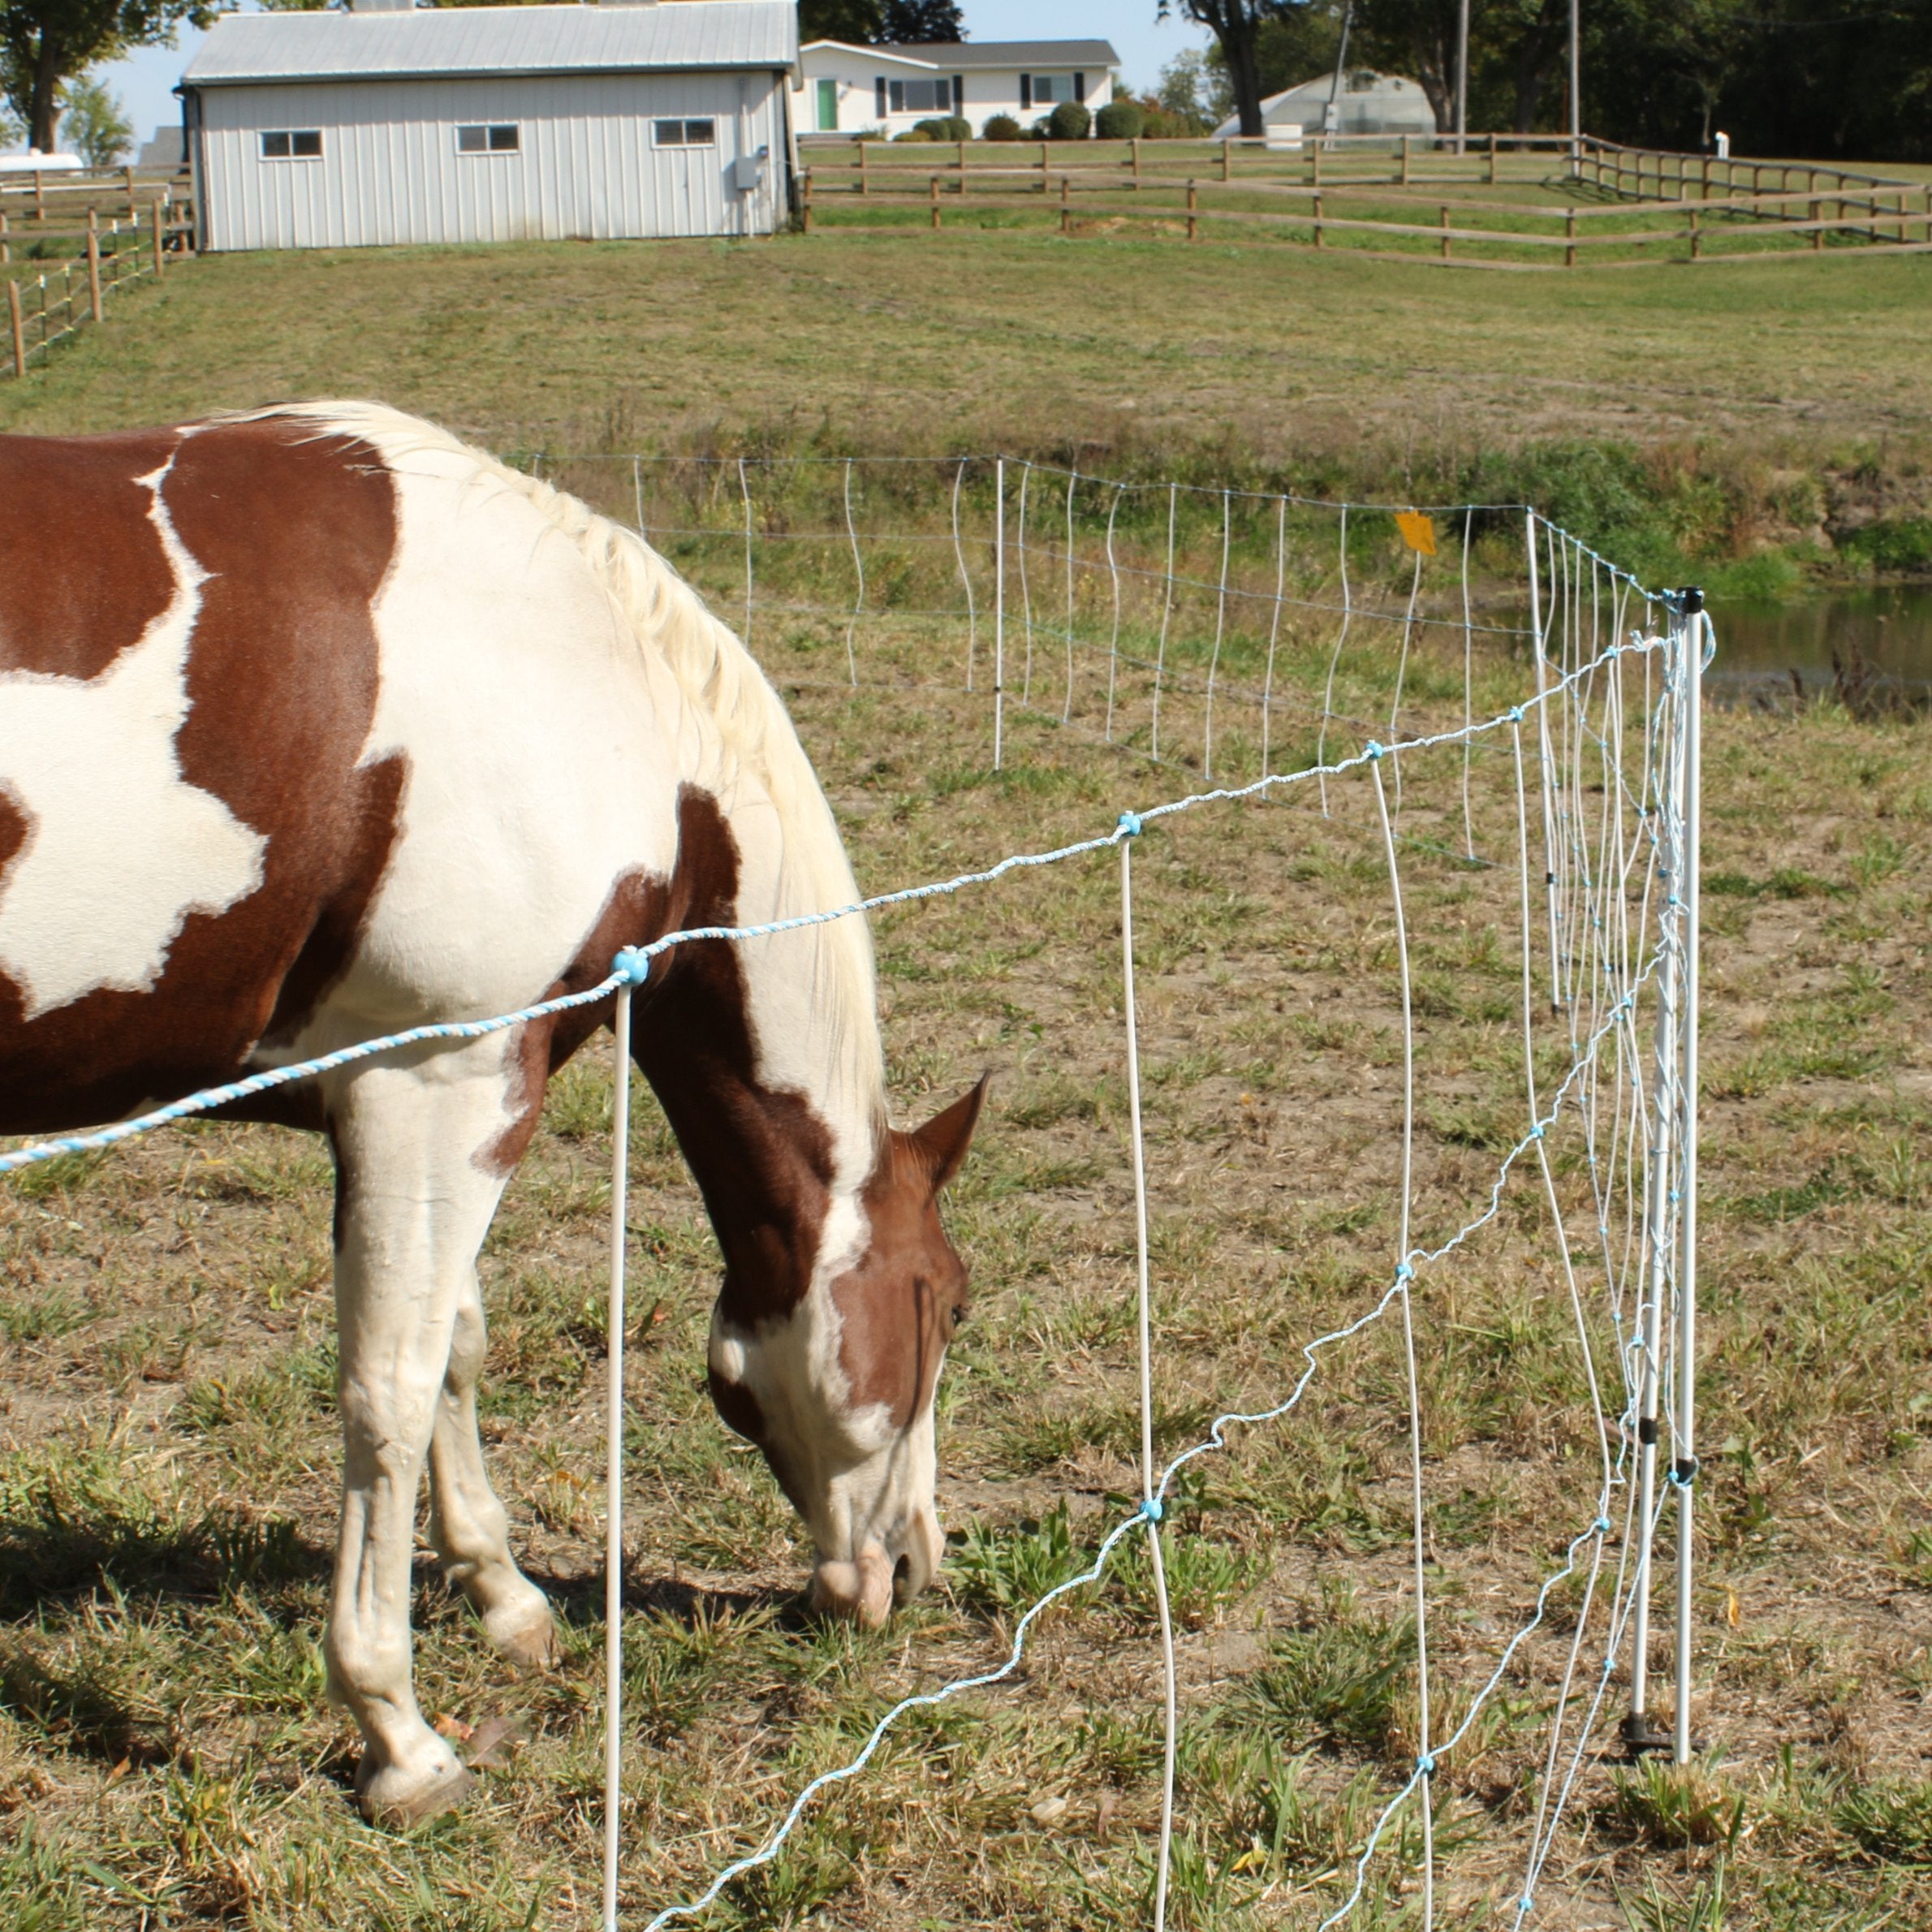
x,y
413,1202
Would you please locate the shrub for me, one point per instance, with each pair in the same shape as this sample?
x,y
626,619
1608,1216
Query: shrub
x,y
1900,544
1000,127
1162,124
1068,122
921,130
1120,121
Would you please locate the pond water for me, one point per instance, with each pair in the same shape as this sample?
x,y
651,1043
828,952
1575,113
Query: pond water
x,y
1872,645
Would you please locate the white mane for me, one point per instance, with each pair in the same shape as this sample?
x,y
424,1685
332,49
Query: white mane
x,y
723,682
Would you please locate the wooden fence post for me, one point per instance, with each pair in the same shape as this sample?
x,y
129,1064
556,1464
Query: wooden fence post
x,y
160,238
1817,228
865,185
1569,229
1492,161
1065,205
1226,161
935,198
93,266
1318,221
20,328
1445,232
805,201
1315,158
1697,238
1136,148
1193,202
962,167
1405,161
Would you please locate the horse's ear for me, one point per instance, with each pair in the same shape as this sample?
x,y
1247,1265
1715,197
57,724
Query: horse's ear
x,y
941,1144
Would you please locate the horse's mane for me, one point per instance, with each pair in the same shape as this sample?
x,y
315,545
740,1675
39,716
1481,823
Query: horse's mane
x,y
723,682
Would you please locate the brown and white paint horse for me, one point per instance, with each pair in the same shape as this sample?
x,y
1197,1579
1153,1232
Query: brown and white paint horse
x,y
316,725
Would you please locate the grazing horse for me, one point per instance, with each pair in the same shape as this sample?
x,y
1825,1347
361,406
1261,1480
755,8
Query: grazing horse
x,y
316,725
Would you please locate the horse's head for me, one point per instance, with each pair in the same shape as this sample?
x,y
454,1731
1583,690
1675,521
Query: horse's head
x,y
839,1394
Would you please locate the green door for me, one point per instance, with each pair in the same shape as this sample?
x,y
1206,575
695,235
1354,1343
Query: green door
x,y
828,106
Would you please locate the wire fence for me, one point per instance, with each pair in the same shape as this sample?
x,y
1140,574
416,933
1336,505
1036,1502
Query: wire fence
x,y
1596,760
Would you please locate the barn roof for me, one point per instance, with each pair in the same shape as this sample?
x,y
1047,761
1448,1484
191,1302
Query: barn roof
x,y
244,49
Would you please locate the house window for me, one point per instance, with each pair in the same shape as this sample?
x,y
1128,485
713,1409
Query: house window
x,y
683,134
487,138
921,97
1051,89
291,143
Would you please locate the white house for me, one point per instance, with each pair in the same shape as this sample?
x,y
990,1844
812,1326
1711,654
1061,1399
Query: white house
x,y
1365,103
842,89
386,124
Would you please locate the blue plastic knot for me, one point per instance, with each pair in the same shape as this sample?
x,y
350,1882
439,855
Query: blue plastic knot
x,y
1602,1526
632,963
1151,1509
1516,715
1404,1272
1425,1765
1528,1901
1130,824
1372,749
1535,1132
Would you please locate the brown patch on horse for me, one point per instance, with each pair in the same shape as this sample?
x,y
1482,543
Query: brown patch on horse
x,y
762,1156
902,1302
296,529
82,571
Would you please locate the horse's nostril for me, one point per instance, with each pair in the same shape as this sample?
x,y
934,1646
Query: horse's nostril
x,y
902,1579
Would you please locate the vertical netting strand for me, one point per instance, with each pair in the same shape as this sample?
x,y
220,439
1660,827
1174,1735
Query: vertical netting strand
x,y
613,1456
852,532
959,552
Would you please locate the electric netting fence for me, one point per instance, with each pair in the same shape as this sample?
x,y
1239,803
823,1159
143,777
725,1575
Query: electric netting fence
x,y
1225,633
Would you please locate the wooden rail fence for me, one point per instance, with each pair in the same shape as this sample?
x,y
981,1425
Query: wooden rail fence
x,y
48,305
1364,192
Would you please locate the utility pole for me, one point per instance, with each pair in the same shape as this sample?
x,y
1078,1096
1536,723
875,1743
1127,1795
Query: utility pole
x,y
1331,122
1462,76
1575,92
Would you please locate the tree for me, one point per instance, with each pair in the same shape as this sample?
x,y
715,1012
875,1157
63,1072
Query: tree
x,y
94,123
1238,27
915,22
857,23
45,43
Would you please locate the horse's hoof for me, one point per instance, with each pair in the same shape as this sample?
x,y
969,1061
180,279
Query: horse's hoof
x,y
394,1804
531,1645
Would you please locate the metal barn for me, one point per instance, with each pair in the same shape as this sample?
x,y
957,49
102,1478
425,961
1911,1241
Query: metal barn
x,y
491,123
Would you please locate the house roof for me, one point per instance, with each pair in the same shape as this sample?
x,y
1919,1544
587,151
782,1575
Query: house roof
x,y
243,48
956,57
968,55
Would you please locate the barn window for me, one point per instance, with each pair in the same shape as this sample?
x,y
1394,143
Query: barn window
x,y
684,134
487,138
291,143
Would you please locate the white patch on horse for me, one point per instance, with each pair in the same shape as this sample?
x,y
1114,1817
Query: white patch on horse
x,y
120,848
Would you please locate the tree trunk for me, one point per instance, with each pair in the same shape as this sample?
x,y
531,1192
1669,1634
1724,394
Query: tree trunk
x,y
1536,57
1244,76
43,115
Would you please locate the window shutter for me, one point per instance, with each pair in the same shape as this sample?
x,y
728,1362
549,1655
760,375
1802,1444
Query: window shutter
x,y
878,89
1080,87
1026,90
958,92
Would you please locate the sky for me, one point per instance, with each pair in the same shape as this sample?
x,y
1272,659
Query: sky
x,y
144,80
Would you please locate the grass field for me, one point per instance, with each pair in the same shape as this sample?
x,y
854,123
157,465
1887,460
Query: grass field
x,y
167,1442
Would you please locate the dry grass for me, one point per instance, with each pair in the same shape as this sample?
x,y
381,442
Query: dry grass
x,y
167,1450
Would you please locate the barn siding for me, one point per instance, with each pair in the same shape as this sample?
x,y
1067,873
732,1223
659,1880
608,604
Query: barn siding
x,y
389,171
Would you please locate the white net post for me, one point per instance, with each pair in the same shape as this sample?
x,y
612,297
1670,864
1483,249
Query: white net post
x,y
1000,604
1692,628
613,1456
1150,1505
852,532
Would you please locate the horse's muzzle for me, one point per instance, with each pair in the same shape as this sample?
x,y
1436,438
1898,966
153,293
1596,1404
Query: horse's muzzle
x,y
866,1587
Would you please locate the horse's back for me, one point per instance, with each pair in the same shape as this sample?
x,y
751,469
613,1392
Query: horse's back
x,y
237,721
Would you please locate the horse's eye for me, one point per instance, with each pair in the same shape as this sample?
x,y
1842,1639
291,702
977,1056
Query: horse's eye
x,y
959,1314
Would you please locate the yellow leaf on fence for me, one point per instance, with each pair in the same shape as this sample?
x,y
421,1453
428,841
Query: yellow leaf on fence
x,y
1418,530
